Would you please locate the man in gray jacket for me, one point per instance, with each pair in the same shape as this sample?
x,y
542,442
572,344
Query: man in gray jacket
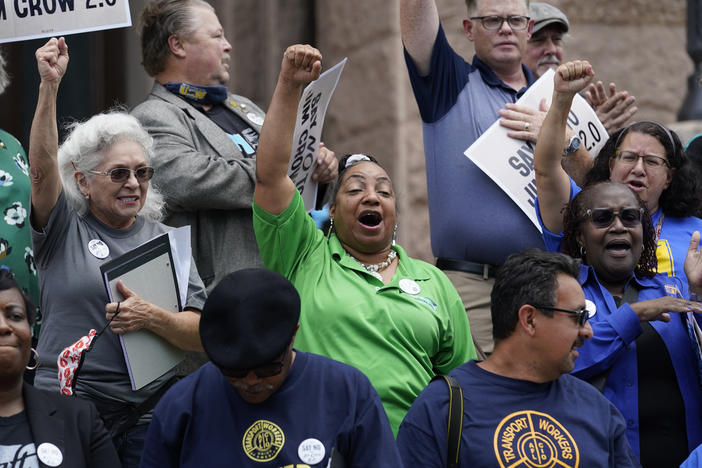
x,y
205,138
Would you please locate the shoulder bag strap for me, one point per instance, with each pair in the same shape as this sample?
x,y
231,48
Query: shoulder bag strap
x,y
455,419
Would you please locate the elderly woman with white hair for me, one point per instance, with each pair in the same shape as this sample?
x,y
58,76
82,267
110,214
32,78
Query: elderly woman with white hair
x,y
90,205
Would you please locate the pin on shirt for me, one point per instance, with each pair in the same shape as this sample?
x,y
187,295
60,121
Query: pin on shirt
x,y
591,308
98,248
409,286
311,451
49,454
254,118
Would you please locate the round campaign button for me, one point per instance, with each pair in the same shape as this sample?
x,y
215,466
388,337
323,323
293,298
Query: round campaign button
x,y
409,286
591,308
255,118
98,248
311,451
49,454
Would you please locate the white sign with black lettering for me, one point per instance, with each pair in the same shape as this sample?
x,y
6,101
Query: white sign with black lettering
x,y
510,162
308,131
21,20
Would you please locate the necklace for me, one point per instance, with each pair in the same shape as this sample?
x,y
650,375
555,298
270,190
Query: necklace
x,y
376,267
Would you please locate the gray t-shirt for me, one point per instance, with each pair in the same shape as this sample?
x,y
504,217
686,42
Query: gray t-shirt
x,y
73,299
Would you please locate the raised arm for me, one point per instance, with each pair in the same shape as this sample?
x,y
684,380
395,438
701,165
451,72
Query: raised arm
x,y
52,60
552,182
274,189
419,23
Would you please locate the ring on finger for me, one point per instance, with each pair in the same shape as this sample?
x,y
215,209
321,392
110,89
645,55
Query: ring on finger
x,y
526,126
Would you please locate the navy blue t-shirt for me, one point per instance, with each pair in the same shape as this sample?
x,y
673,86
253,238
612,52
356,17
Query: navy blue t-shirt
x,y
323,405
510,422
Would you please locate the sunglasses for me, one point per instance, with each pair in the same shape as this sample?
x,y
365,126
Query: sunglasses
x,y
266,370
604,217
120,175
581,316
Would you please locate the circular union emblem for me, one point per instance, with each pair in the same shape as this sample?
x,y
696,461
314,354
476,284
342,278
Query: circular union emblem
x,y
263,440
531,439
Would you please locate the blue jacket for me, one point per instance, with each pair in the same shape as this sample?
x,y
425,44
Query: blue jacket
x,y
613,345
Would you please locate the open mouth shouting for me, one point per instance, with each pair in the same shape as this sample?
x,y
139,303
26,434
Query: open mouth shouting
x,y
618,248
636,185
370,220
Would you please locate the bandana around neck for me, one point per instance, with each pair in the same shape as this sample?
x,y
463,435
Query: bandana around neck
x,y
208,95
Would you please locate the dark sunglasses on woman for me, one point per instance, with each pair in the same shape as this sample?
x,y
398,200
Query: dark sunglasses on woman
x,y
120,175
604,217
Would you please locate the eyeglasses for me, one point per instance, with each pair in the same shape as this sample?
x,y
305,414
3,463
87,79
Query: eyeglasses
x,y
120,175
604,217
266,370
629,158
492,22
581,316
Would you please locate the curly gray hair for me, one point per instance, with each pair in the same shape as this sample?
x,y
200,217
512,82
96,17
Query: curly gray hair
x,y
85,146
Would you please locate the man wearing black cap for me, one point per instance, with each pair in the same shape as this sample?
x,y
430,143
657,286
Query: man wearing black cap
x,y
261,400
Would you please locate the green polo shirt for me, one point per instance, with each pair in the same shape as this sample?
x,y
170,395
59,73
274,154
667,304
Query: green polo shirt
x,y
399,334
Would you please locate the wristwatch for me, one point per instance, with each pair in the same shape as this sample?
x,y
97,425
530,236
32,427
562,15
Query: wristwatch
x,y
573,146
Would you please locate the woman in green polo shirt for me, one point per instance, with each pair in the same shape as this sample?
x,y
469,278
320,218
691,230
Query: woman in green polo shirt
x,y
364,301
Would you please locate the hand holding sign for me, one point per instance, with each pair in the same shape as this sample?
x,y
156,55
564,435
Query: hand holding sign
x,y
572,77
327,168
510,162
523,122
52,60
305,160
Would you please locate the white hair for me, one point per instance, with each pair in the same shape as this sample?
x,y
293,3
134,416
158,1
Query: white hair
x,y
85,148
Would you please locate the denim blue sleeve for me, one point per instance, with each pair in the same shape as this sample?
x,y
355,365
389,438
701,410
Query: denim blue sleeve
x,y
553,240
612,335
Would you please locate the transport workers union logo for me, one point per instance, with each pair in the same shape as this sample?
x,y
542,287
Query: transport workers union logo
x,y
529,439
263,440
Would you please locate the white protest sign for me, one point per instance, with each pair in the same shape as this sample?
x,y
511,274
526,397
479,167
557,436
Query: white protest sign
x,y
308,130
510,162
31,19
